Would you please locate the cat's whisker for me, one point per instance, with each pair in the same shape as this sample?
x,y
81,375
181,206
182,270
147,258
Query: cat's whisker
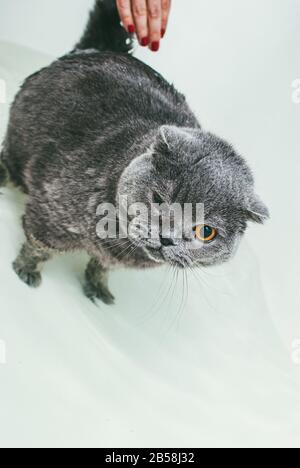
x,y
168,292
155,307
172,291
112,155
207,271
184,298
202,282
197,272
112,247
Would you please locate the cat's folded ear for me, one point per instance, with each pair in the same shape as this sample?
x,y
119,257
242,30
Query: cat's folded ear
x,y
170,137
257,211
171,143
164,150
165,140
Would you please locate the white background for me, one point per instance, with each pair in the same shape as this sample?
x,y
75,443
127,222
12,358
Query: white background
x,y
227,374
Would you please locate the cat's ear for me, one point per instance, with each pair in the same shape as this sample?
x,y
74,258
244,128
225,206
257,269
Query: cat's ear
x,y
164,152
165,139
257,211
171,139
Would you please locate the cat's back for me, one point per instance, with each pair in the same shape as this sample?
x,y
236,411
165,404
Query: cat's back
x,y
82,79
83,96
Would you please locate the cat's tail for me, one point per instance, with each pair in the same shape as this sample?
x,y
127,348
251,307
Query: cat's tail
x,y
104,31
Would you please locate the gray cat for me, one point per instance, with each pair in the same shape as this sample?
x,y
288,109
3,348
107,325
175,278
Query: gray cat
x,y
98,124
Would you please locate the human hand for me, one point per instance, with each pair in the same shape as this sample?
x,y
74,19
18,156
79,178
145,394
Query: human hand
x,y
148,18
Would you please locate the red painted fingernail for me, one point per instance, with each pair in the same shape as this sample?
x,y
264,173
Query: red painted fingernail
x,y
131,28
155,46
163,32
145,41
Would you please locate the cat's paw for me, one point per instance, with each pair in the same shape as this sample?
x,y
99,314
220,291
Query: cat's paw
x,y
100,292
31,278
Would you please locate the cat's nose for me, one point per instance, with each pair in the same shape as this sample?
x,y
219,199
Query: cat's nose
x,y
166,241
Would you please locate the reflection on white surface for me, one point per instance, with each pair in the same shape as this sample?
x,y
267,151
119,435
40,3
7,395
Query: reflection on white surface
x,y
206,360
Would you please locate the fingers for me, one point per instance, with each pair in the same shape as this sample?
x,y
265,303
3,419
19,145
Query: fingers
x,y
154,23
140,14
124,8
148,18
165,12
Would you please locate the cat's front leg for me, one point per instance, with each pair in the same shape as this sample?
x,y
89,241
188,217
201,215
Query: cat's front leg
x,y
96,283
27,264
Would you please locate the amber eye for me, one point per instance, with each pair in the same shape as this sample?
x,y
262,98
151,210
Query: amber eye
x,y
205,233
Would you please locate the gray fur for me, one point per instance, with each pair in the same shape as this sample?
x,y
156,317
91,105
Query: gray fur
x,y
96,283
3,175
27,264
93,126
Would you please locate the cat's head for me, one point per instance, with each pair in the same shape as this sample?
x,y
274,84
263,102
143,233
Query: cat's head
x,y
190,166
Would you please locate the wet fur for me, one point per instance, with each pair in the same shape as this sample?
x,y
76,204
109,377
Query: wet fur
x,y
99,123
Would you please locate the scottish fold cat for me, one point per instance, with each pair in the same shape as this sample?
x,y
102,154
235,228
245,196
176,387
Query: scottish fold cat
x,y
98,125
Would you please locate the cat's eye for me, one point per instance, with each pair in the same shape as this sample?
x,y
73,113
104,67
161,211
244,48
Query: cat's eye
x,y
205,233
